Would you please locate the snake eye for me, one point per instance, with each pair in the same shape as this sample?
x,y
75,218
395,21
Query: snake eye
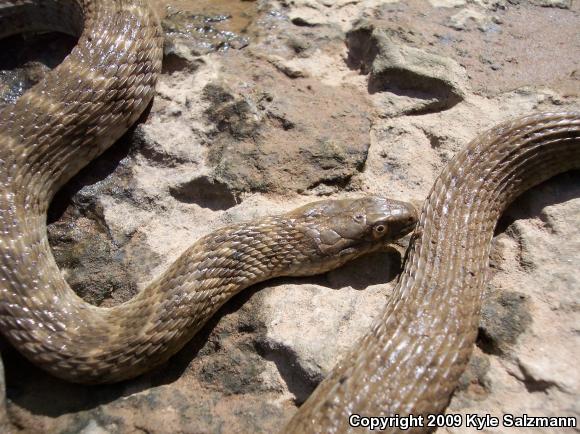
x,y
380,229
358,218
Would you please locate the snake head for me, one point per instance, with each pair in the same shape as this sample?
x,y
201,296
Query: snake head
x,y
342,230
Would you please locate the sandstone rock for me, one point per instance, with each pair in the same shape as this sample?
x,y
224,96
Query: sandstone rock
x,y
280,146
503,318
447,3
179,55
465,18
412,80
205,191
562,4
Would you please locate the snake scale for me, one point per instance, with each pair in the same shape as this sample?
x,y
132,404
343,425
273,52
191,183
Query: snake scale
x,y
410,360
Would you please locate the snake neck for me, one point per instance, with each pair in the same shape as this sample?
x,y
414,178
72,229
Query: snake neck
x,y
411,360
84,343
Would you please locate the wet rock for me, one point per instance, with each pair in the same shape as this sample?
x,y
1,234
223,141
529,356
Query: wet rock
x,y
24,61
201,32
412,80
99,259
13,84
83,251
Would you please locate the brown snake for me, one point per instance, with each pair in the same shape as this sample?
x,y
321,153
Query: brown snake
x,y
410,360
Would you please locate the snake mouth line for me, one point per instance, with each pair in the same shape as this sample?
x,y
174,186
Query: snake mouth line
x,y
405,230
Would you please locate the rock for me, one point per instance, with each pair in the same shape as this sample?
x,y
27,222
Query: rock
x,y
299,44
341,316
93,428
447,3
207,192
301,356
412,80
239,117
25,60
201,32
94,254
83,251
179,55
280,146
503,318
465,18
475,383
307,18
562,4
308,13
171,147
288,67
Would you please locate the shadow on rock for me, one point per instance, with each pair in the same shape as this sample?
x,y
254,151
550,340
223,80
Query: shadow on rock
x,y
373,269
560,188
31,388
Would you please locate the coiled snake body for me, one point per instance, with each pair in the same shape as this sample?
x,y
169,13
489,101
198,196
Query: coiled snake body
x,y
411,359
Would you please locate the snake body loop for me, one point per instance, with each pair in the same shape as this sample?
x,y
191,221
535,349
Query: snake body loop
x,y
411,359
71,116
53,130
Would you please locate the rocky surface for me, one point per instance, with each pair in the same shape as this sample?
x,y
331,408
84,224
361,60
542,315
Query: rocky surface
x,y
267,105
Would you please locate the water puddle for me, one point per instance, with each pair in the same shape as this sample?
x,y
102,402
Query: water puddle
x,y
237,14
207,25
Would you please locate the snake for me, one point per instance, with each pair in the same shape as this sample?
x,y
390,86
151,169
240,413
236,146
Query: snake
x,y
410,360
